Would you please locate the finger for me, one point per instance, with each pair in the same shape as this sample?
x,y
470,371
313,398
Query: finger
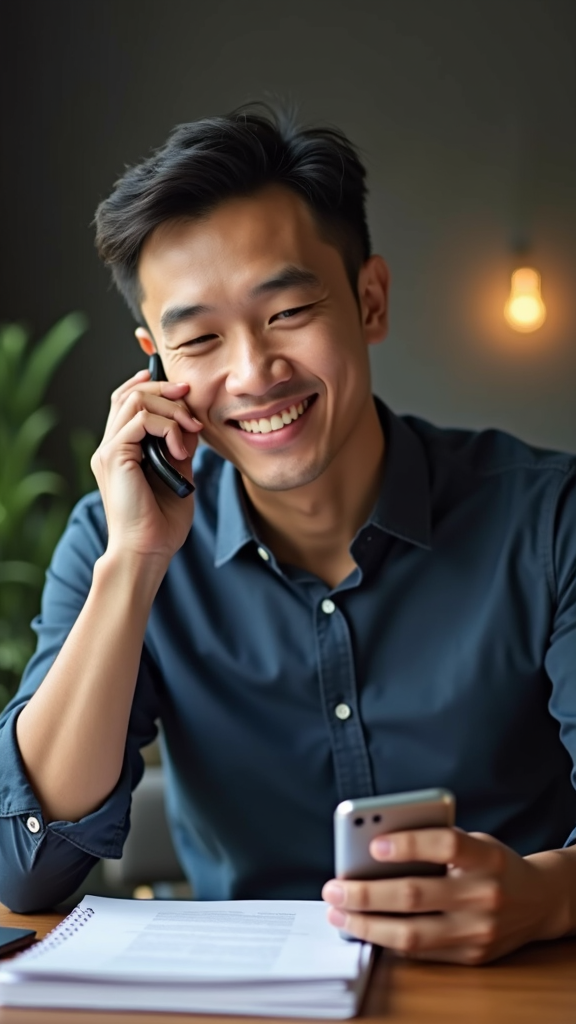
x,y
418,934
141,382
145,422
142,377
137,401
440,846
414,895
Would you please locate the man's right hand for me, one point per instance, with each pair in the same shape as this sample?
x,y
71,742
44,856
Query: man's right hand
x,y
72,733
144,516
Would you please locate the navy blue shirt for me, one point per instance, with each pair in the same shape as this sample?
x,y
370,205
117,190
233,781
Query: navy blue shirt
x,y
449,651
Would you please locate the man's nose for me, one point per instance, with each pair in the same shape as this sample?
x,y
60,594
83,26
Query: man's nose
x,y
255,366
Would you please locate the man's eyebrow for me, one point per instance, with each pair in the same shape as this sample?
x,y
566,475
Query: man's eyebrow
x,y
177,314
289,277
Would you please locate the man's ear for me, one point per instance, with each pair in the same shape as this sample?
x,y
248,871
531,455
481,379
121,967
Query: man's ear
x,y
373,281
145,340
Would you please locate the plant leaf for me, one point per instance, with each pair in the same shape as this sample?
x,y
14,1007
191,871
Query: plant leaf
x,y
14,653
24,446
13,341
83,444
44,359
49,533
32,487
21,572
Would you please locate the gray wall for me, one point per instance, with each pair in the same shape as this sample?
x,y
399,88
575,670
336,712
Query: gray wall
x,y
465,112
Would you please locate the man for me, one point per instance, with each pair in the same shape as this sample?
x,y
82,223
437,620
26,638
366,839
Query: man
x,y
351,603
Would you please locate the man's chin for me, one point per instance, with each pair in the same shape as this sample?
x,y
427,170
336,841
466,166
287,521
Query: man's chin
x,y
283,478
280,474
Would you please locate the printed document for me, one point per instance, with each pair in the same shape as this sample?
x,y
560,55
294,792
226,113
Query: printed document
x,y
250,956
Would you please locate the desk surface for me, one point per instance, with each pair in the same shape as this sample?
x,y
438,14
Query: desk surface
x,y
536,985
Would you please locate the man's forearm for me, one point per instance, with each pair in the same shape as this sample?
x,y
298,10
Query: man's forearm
x,y
72,733
558,874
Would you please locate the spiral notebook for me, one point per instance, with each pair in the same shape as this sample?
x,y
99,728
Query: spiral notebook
x,y
260,957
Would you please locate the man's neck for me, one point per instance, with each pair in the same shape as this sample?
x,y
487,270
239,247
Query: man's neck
x,y
313,526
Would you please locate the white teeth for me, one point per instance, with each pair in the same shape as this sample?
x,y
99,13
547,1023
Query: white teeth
x,y
276,422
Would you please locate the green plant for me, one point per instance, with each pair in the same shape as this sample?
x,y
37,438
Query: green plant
x,y
35,501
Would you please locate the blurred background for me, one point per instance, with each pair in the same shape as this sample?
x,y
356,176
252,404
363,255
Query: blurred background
x,y
465,114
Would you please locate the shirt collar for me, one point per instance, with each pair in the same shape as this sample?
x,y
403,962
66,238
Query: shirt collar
x,y
233,530
402,508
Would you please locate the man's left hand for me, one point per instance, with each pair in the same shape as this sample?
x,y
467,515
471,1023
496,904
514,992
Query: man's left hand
x,y
490,901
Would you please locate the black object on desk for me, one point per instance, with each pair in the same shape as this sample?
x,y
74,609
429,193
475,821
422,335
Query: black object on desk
x,y
12,939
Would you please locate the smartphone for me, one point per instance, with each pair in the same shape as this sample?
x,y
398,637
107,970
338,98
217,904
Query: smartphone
x,y
12,939
154,448
358,822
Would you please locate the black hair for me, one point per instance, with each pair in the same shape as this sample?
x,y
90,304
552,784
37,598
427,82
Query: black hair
x,y
207,161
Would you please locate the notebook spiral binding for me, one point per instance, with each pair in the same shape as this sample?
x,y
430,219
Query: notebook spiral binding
x,y
71,924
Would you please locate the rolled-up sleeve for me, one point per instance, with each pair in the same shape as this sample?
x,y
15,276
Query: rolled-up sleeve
x,y
41,863
561,656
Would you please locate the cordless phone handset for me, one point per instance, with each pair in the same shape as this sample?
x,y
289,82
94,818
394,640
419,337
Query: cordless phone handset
x,y
154,448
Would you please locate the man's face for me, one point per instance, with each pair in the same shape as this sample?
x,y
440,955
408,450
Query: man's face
x,y
252,309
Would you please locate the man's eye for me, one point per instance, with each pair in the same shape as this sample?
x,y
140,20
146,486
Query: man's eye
x,y
199,341
287,313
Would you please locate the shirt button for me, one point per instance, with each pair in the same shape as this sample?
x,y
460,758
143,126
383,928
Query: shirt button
x,y
342,711
328,606
33,825
264,554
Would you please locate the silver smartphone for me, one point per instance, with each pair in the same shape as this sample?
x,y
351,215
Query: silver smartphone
x,y
358,822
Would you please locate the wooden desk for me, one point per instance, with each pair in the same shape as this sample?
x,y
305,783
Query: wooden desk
x,y
537,985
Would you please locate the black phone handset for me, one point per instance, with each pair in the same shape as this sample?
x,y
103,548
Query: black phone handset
x,y
154,448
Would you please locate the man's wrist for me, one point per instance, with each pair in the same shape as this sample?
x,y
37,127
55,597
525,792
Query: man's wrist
x,y
137,574
557,870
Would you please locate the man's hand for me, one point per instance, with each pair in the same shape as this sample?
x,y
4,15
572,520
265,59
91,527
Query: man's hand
x,y
144,517
74,766
490,902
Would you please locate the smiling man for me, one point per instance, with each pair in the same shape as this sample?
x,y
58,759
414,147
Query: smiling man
x,y
351,603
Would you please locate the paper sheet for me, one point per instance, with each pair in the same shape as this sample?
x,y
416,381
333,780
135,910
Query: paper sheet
x,y
247,940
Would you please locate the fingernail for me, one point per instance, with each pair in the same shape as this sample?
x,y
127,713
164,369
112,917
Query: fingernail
x,y
333,893
382,848
336,917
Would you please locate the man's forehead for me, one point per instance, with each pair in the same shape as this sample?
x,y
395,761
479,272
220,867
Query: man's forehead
x,y
273,215
236,247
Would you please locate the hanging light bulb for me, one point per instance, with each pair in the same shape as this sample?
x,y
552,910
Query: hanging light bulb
x,y
525,310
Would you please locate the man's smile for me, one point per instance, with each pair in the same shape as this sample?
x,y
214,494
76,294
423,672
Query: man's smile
x,y
278,427
273,418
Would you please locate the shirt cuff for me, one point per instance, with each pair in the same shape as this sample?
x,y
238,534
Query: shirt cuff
x,y
101,833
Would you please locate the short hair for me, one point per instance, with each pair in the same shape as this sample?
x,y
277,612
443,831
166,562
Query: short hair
x,y
213,159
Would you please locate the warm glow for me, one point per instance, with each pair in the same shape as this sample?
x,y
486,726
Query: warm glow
x,y
143,892
524,309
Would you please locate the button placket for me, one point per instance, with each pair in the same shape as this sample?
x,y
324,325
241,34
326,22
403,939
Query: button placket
x,y
339,698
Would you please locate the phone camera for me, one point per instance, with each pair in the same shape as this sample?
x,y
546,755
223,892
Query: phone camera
x,y
358,821
376,818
